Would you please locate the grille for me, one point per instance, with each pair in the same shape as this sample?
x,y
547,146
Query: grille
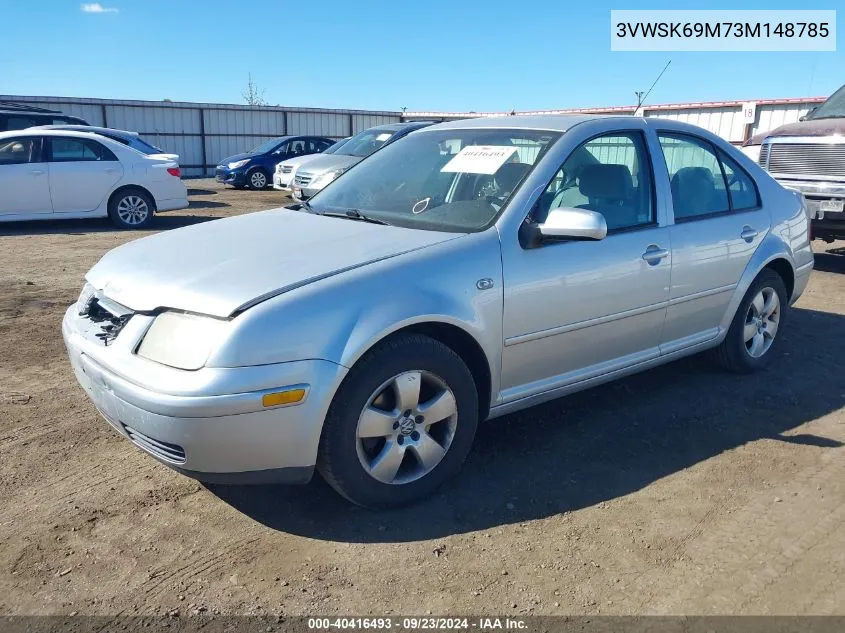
x,y
286,169
169,452
303,179
811,159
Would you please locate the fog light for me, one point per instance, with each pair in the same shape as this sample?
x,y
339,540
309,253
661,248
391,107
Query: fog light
x,y
289,396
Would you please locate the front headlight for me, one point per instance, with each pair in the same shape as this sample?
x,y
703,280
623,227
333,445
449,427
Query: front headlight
x,y
329,176
238,163
181,340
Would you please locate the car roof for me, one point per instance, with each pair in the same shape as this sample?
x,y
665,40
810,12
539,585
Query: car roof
x,y
87,128
105,140
552,122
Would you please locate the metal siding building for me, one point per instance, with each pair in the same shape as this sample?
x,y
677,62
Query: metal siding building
x,y
723,118
204,133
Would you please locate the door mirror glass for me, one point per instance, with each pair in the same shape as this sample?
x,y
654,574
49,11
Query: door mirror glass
x,y
574,224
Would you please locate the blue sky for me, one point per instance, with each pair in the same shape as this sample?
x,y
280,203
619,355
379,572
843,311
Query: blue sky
x,y
445,55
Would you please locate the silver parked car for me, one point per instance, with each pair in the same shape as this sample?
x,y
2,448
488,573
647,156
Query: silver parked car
x,y
469,270
325,168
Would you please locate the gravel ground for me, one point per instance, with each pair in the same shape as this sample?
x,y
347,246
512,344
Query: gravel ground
x,y
681,490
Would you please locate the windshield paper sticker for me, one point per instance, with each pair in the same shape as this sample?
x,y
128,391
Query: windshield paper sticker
x,y
383,136
479,159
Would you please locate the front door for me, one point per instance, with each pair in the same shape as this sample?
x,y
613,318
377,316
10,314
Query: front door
x,y
24,180
82,172
578,309
718,225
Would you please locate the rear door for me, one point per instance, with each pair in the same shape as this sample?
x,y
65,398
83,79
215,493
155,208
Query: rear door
x,y
82,173
718,225
24,179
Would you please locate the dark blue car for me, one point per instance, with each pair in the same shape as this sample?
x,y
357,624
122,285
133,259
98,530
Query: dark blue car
x,y
254,168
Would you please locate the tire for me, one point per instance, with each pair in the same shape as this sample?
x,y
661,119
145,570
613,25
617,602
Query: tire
x,y
131,209
368,439
257,179
743,355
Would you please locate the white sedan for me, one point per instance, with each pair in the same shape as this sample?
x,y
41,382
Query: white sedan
x,y
52,174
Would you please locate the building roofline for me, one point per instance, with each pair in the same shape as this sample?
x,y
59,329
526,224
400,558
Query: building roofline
x,y
627,108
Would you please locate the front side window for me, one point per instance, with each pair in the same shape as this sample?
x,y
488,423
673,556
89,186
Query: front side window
x,y
610,175
17,151
443,180
695,175
65,150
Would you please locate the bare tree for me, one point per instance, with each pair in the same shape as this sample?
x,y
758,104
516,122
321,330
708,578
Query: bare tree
x,y
253,95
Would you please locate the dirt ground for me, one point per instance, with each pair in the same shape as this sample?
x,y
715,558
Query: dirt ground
x,y
681,490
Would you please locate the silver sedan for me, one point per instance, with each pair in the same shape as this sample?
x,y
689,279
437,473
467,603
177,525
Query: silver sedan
x,y
467,271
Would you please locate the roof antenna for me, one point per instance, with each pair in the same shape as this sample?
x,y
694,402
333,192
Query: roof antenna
x,y
640,97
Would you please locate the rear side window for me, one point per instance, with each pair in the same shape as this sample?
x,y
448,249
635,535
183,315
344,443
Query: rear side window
x,y
741,188
695,175
74,150
18,122
18,151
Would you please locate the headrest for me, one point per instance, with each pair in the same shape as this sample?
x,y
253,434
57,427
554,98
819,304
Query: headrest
x,y
510,174
606,181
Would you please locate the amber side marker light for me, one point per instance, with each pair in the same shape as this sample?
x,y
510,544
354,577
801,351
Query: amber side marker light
x,y
289,396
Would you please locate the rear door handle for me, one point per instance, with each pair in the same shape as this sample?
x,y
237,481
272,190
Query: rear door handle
x,y
654,254
748,233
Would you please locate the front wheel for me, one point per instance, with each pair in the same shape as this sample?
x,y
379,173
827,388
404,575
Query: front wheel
x,y
401,424
257,179
131,209
752,338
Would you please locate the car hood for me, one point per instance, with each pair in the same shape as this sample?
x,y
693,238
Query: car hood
x,y
301,160
818,127
223,266
328,162
236,157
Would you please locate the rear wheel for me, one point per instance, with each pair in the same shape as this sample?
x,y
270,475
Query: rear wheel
x,y
752,339
131,209
401,424
257,179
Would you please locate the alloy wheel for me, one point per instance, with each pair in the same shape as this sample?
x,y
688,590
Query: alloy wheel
x,y
406,427
761,322
258,180
133,210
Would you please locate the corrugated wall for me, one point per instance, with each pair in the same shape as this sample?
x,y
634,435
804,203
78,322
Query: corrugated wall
x,y
205,133
727,121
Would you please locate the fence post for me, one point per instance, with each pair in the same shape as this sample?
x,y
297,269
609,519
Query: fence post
x,y
202,142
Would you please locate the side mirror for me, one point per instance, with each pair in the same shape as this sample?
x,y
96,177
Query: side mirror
x,y
809,112
574,224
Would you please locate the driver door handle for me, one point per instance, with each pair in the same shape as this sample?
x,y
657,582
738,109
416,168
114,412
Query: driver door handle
x,y
37,172
654,254
748,233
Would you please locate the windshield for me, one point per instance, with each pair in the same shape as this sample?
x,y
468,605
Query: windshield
x,y
365,143
440,180
267,146
833,108
332,149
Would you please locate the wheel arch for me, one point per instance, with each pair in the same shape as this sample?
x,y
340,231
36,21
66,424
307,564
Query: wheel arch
x,y
132,187
459,341
772,254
